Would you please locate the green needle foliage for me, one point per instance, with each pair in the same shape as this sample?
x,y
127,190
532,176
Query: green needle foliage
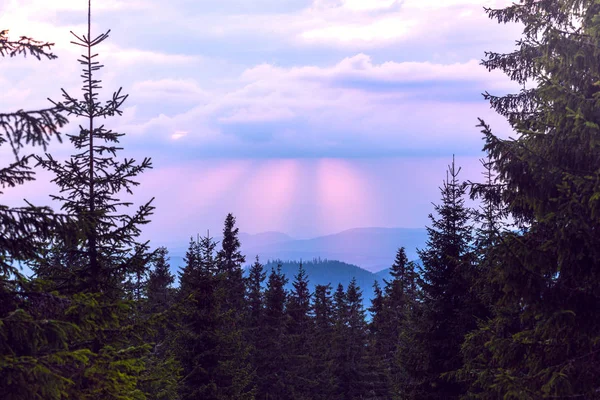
x,y
106,251
543,339
21,227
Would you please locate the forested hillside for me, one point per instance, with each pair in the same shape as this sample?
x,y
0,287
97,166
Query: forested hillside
x,y
504,302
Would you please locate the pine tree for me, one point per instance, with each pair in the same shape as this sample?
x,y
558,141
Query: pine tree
x,y
196,341
299,328
107,251
255,294
209,344
89,354
159,289
255,308
229,262
392,312
32,347
235,371
448,302
543,341
321,343
272,356
378,343
162,371
22,228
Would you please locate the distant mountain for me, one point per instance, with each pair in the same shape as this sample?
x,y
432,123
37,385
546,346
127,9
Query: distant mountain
x,y
263,239
323,272
384,274
373,249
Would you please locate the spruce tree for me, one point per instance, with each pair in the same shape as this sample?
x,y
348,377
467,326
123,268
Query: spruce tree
x,y
22,228
255,308
447,299
299,329
162,371
229,263
392,314
235,370
107,250
196,343
255,294
542,340
32,346
98,357
350,356
159,291
321,343
272,355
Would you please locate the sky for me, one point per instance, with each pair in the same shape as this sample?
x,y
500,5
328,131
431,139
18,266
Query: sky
x,y
307,117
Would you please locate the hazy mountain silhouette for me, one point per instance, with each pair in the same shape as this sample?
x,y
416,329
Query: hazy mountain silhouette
x,y
372,249
323,272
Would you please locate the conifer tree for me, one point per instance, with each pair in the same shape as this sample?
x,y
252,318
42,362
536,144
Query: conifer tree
x,y
162,371
90,181
272,357
255,308
392,312
255,294
235,369
98,358
21,228
543,341
229,263
32,347
299,329
350,356
159,291
196,341
321,343
448,303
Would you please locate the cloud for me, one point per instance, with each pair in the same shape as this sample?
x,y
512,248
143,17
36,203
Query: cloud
x,y
349,92
354,24
354,107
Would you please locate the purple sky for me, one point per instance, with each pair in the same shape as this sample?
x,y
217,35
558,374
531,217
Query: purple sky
x,y
302,116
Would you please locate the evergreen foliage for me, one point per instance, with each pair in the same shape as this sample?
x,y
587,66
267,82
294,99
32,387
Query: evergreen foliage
x,y
299,331
448,306
105,252
272,363
504,304
542,339
321,343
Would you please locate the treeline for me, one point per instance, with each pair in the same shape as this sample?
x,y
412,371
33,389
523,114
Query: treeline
x,y
505,303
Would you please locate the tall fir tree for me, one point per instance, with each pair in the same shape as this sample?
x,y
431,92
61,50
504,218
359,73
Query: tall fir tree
x,y
235,369
32,345
109,351
543,341
299,330
22,228
272,355
392,316
447,299
162,371
159,290
350,355
321,343
229,262
196,342
107,250
255,308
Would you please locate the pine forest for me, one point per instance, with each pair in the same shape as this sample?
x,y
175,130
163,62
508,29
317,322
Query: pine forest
x,y
503,301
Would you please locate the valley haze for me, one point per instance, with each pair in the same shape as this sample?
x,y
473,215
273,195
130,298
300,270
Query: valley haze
x,y
372,249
